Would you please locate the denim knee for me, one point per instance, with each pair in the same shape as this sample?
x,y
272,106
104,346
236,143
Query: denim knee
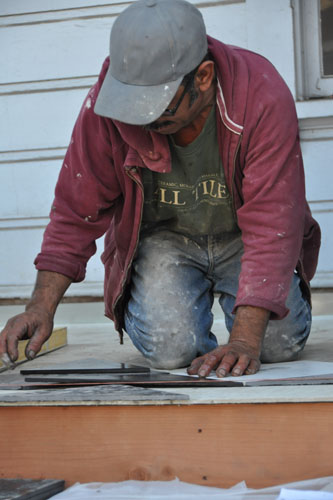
x,y
171,359
277,352
284,340
166,345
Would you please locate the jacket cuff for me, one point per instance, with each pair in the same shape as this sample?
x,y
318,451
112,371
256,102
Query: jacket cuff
x,y
73,270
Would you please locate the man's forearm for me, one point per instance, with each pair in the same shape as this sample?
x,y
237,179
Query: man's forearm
x,y
250,326
49,290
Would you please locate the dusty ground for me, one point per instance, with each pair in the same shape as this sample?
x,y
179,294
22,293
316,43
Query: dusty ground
x,y
90,334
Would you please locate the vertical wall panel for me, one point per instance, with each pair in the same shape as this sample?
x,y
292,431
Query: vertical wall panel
x,y
51,53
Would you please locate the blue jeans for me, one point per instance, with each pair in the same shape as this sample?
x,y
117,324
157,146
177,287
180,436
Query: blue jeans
x,y
174,278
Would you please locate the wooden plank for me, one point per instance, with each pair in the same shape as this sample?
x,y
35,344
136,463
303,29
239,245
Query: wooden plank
x,y
216,445
57,339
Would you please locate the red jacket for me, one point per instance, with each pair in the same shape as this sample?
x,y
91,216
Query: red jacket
x,y
99,189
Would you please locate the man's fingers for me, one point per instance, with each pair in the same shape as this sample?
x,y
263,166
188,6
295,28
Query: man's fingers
x,y
195,365
34,345
204,365
3,351
7,361
14,333
253,367
209,363
225,360
3,343
20,327
34,325
228,361
237,365
241,366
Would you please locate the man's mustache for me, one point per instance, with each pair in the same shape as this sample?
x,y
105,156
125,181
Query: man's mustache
x,y
155,125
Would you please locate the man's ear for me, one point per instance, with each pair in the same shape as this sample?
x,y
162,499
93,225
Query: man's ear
x,y
205,75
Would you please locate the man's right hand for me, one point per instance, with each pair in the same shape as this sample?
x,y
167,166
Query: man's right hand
x,y
35,324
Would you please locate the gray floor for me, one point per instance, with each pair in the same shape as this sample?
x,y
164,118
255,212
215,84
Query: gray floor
x,y
91,335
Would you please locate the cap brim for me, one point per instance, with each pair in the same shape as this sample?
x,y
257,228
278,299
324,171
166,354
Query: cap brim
x,y
134,104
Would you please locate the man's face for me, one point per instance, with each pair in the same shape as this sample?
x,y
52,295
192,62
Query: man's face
x,y
188,108
180,112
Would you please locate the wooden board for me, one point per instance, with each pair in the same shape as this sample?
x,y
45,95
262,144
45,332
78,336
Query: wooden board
x,y
216,445
57,339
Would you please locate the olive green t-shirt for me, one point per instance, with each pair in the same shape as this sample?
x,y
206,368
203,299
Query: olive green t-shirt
x,y
193,198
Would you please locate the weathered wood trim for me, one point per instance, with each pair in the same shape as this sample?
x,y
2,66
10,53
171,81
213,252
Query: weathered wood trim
x,y
316,128
111,9
50,85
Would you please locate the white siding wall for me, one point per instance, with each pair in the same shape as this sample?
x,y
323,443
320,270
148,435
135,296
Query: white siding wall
x,y
51,52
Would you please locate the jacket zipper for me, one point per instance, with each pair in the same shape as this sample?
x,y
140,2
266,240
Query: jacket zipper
x,y
233,176
219,90
128,172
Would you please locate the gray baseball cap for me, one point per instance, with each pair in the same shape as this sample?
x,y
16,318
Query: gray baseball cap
x,y
153,44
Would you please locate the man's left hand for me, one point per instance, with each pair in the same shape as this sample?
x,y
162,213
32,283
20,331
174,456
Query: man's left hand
x,y
236,358
241,355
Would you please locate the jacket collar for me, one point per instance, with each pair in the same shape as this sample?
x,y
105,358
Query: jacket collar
x,y
230,124
146,149
231,88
